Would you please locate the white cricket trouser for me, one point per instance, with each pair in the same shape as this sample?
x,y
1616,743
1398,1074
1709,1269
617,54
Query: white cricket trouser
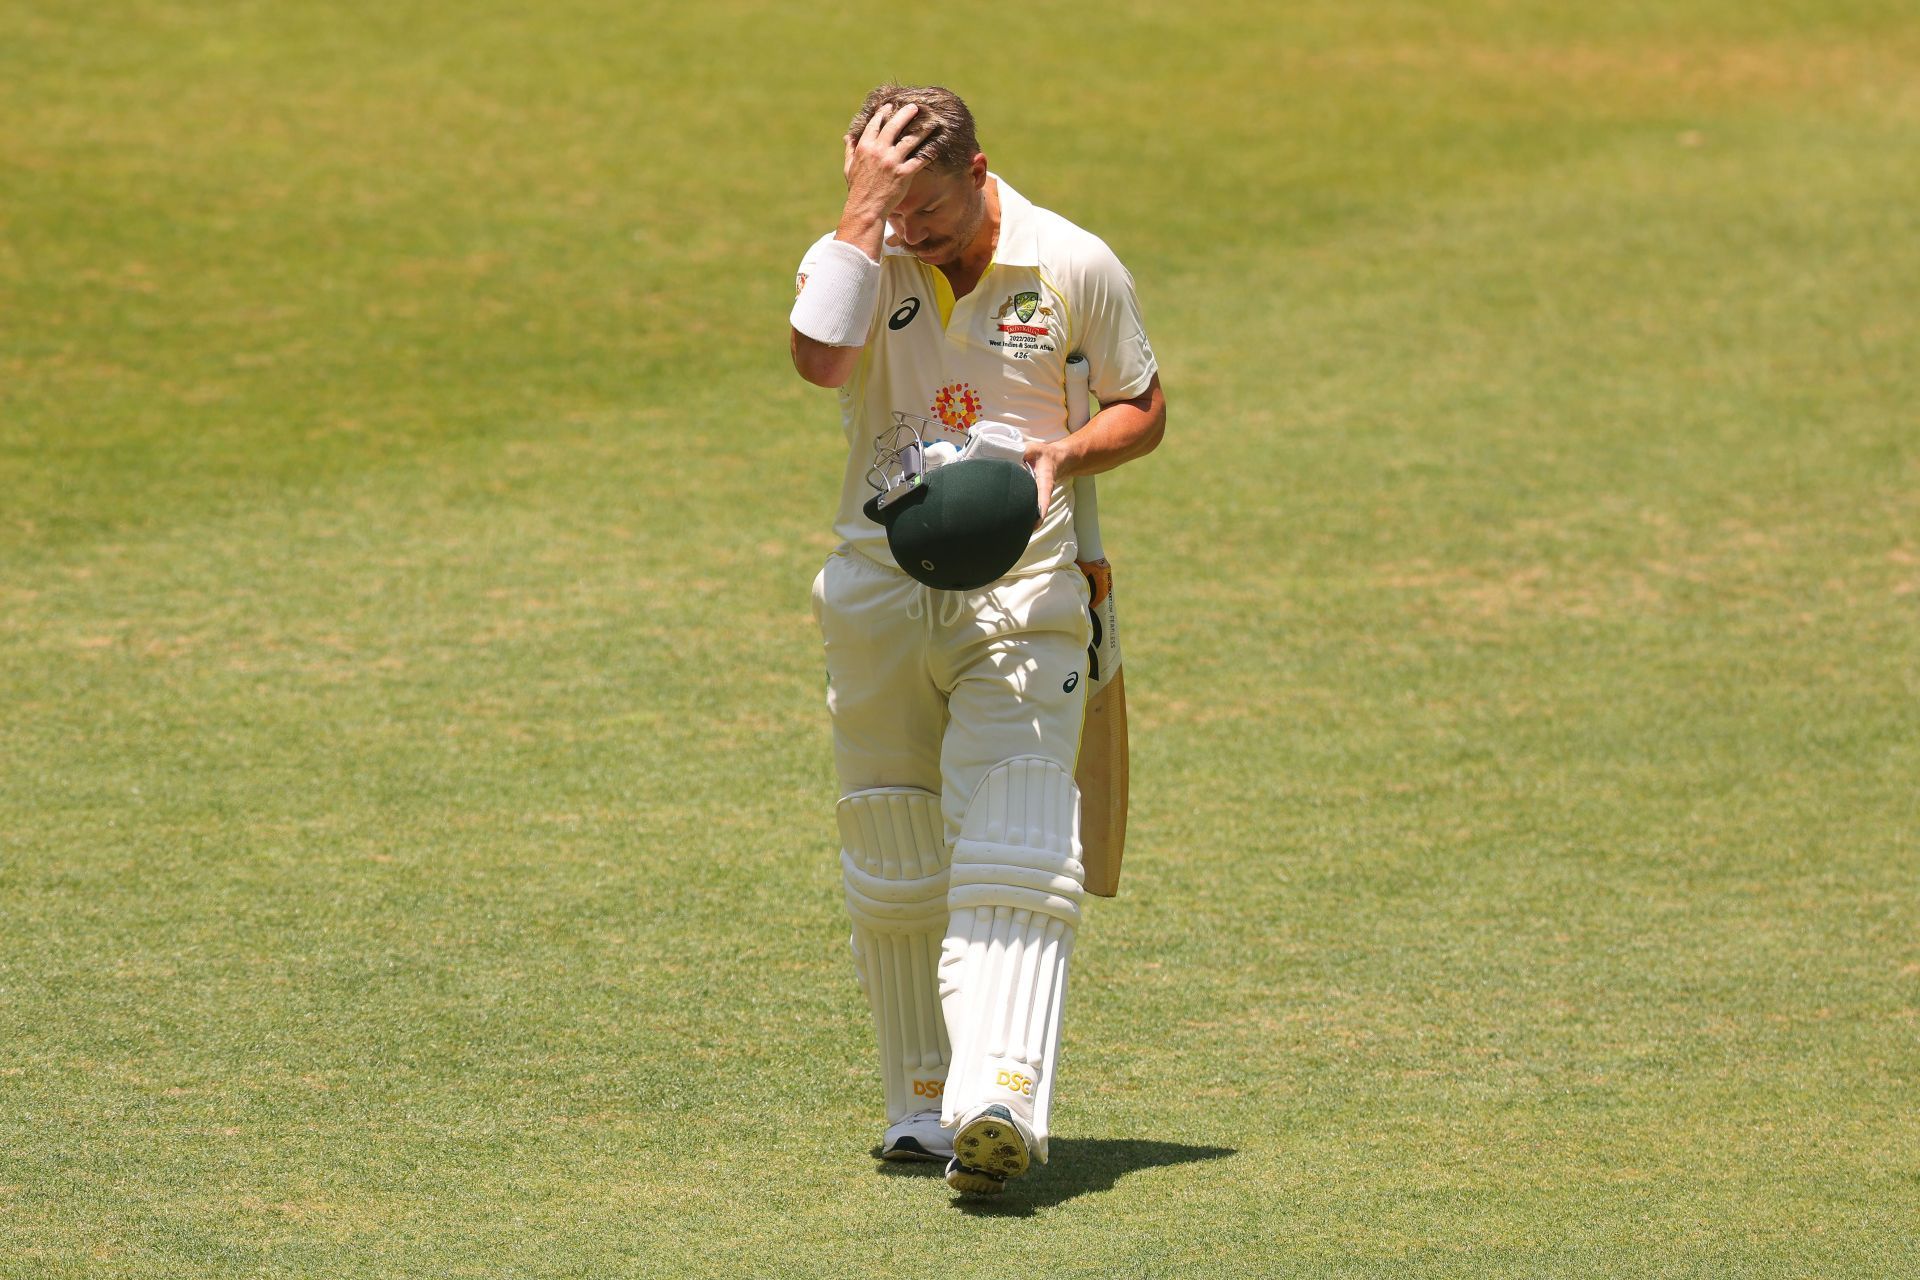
x,y
934,691
931,689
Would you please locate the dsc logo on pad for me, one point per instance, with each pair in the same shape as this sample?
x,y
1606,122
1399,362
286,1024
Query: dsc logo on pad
x,y
1014,1081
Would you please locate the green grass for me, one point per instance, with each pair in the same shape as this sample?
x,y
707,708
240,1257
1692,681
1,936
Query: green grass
x,y
415,805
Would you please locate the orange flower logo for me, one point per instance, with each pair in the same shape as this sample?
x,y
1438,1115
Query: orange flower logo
x,y
957,406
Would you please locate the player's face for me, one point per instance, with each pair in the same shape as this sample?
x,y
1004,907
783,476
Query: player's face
x,y
941,214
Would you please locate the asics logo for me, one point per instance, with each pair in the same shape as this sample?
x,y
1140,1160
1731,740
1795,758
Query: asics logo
x,y
903,317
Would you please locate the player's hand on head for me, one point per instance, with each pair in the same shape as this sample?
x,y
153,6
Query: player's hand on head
x,y
880,163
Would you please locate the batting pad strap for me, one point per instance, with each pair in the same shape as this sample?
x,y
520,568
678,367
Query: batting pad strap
x,y
887,906
841,284
988,897
988,875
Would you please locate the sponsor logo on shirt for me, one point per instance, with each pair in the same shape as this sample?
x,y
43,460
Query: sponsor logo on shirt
x,y
904,314
957,405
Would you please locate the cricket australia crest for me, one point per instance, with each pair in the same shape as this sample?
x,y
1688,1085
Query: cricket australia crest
x,y
1024,326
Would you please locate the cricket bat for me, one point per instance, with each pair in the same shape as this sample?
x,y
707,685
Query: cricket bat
x,y
1102,770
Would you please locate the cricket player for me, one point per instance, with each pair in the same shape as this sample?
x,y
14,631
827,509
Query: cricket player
x,y
946,294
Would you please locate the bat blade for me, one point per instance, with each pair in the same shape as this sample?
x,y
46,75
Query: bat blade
x,y
1102,776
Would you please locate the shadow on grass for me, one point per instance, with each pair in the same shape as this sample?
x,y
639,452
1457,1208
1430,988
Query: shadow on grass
x,y
1075,1167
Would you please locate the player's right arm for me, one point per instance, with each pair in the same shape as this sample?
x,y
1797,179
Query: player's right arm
x,y
828,331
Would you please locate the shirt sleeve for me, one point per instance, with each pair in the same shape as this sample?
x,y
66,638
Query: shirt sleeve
x,y
1109,329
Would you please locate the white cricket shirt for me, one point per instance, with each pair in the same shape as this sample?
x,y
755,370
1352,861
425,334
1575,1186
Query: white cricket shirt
x,y
999,353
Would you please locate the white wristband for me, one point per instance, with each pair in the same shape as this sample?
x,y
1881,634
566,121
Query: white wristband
x,y
835,305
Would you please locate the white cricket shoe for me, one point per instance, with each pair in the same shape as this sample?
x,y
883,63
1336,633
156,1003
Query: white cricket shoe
x,y
989,1146
918,1137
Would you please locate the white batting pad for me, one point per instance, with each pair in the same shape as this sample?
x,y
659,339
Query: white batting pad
x,y
1015,893
894,863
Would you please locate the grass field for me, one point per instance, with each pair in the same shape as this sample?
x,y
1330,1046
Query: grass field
x,y
416,843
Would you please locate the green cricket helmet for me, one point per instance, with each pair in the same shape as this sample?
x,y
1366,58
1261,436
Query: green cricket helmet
x,y
956,526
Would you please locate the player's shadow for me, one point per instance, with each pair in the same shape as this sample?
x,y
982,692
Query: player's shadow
x,y
1075,1167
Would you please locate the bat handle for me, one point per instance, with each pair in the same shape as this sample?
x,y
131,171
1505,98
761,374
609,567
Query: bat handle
x,y
1086,498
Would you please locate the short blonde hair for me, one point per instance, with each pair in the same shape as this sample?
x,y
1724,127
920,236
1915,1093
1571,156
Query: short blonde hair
x,y
952,145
